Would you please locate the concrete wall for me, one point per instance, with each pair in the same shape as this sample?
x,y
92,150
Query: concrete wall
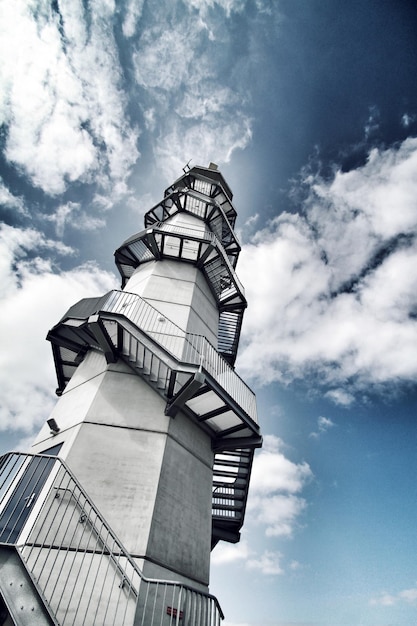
x,y
149,475
181,525
178,289
180,292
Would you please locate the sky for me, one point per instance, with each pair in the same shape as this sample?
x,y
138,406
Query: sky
x,y
309,108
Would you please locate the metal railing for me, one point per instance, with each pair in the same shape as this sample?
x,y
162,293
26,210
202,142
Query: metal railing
x,y
185,347
79,566
198,203
198,234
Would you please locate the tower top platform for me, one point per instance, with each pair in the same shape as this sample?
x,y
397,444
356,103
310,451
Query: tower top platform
x,y
211,172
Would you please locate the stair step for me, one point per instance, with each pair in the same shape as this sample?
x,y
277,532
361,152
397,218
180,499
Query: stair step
x,y
227,507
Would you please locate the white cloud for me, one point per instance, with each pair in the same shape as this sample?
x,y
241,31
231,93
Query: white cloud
x,y
340,396
278,512
385,599
276,483
274,502
272,471
230,553
407,119
10,201
197,114
203,142
229,6
323,425
132,16
150,120
408,596
165,58
372,124
33,299
71,214
333,291
269,563
61,102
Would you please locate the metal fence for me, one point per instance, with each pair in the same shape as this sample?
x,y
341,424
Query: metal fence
x,y
79,566
185,347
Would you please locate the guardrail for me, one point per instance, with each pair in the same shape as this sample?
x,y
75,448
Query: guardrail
x,y
185,347
80,568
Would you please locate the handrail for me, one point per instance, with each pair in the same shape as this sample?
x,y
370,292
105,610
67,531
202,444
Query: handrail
x,y
182,232
79,576
172,204
197,234
85,517
188,348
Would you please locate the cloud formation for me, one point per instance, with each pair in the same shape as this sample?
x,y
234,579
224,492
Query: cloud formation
x,y
333,289
61,97
408,596
33,298
269,563
276,485
71,214
231,553
323,425
182,62
11,202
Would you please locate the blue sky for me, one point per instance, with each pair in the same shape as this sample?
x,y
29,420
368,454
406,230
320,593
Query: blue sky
x,y
309,107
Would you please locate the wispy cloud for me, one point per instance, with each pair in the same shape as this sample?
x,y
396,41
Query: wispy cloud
x,y
333,290
133,13
275,503
407,120
183,62
10,201
61,97
323,425
72,215
269,563
33,299
408,596
80,82
340,396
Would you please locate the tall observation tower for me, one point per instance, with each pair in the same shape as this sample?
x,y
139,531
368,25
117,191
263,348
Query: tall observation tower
x,y
144,463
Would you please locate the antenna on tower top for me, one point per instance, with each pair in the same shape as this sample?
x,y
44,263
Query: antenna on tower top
x,y
186,167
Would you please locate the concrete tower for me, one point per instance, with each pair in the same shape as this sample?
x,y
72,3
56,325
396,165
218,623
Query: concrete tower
x,y
145,461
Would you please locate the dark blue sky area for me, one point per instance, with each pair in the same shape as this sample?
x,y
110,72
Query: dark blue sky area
x,y
335,80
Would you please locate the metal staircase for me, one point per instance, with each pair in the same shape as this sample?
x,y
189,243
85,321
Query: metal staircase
x,y
231,474
202,248
185,370
123,324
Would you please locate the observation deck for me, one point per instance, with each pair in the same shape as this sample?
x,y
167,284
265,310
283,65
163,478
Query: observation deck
x,y
203,249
